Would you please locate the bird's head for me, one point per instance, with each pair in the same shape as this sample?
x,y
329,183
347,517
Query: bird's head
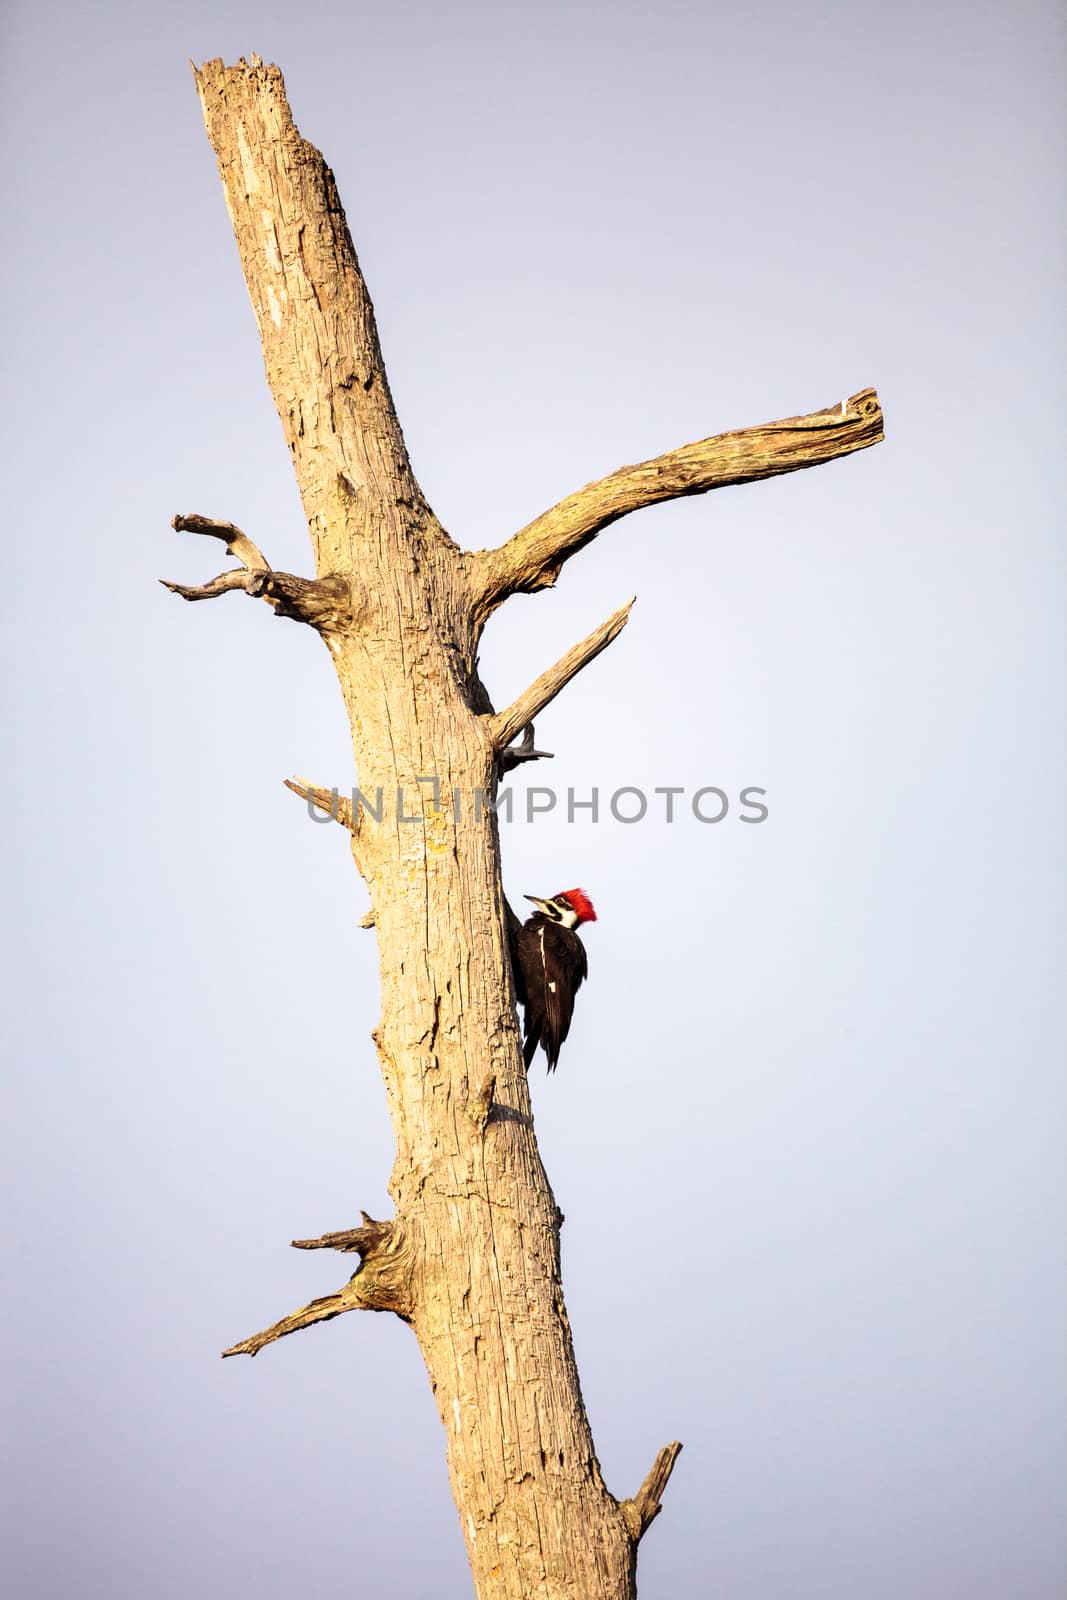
x,y
570,908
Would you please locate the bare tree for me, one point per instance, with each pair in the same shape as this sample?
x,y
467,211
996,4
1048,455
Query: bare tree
x,y
471,1258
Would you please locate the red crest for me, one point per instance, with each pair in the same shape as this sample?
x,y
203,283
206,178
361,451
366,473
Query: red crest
x,y
581,903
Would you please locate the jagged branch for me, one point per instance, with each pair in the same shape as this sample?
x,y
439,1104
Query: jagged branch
x,y
323,603
516,754
320,602
337,808
335,805
225,583
321,1310
645,1506
382,1282
506,724
532,559
370,1235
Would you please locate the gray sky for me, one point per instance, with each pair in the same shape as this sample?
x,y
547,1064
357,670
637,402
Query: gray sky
x,y
808,1129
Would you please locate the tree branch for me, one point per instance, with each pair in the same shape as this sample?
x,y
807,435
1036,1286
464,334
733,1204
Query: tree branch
x,y
320,602
323,603
516,754
532,559
322,1310
369,1236
225,583
506,724
382,1282
237,543
335,805
645,1507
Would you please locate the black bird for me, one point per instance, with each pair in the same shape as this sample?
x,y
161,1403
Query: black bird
x,y
550,965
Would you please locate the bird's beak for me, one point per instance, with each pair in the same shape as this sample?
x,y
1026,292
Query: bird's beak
x,y
539,903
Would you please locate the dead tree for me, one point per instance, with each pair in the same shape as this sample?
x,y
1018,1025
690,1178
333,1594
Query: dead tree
x,y
471,1258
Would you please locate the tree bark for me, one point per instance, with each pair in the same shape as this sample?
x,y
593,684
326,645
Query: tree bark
x,y
471,1259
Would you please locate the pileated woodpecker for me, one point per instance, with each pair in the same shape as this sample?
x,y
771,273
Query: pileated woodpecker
x,y
550,964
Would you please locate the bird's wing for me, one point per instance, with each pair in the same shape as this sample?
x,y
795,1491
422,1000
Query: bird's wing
x,y
564,969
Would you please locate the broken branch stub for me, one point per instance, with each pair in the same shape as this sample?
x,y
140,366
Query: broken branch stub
x,y
506,724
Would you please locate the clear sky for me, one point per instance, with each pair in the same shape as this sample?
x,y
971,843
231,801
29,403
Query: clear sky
x,y
808,1130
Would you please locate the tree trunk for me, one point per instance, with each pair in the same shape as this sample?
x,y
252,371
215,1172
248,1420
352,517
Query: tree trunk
x,y
471,1259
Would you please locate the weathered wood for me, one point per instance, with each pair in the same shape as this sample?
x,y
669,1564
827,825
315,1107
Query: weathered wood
x,y
335,805
474,1202
237,543
382,1282
471,1259
645,1506
322,602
